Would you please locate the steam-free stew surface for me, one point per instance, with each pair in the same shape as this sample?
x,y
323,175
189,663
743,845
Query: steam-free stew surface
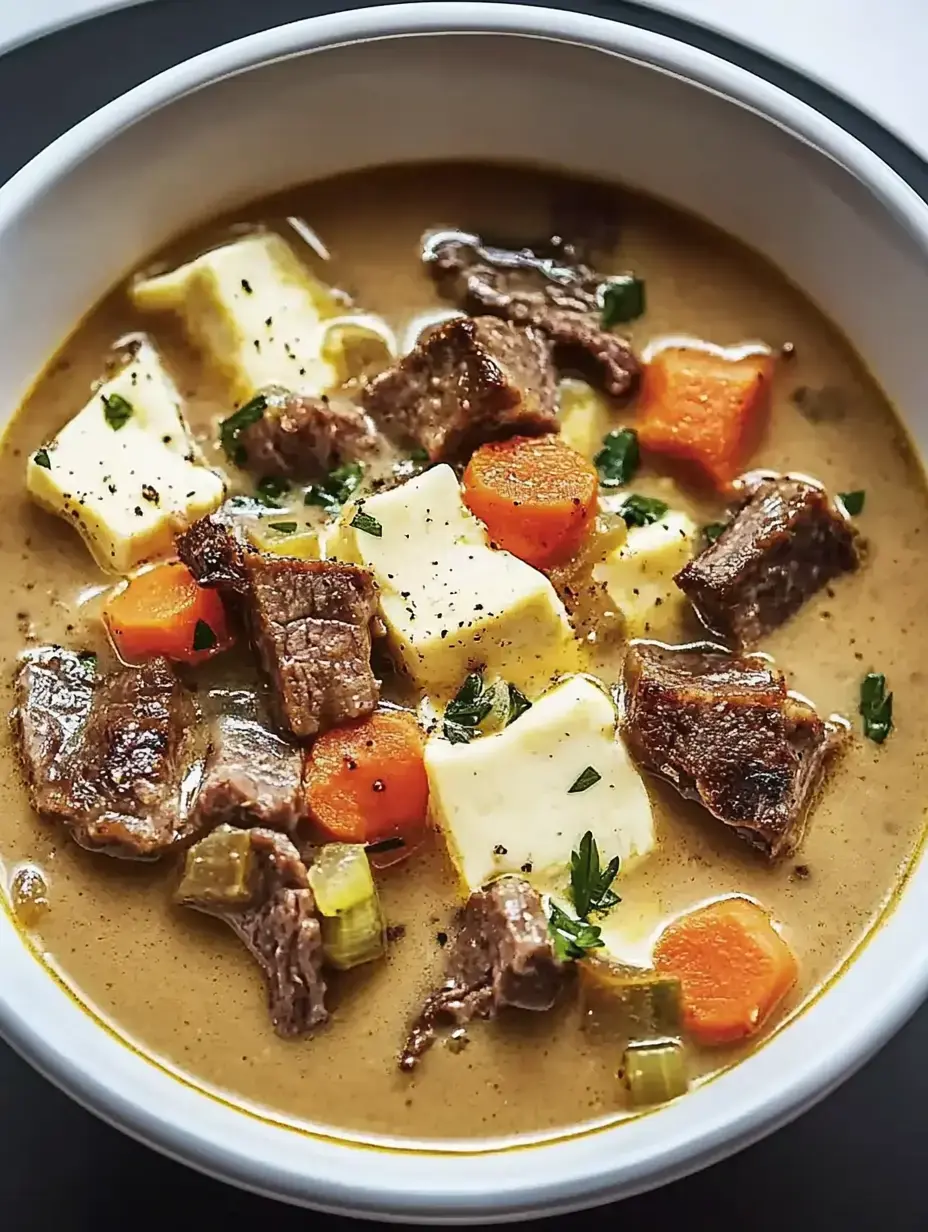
x,y
182,988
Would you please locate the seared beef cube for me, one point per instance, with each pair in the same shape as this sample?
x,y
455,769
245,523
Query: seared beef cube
x,y
726,732
214,556
54,693
252,778
561,298
308,622
108,756
467,381
305,438
310,626
786,543
503,955
256,881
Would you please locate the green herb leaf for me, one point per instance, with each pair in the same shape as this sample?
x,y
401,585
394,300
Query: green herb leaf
x,y
270,489
232,428
467,709
876,707
642,510
41,458
853,502
713,531
623,300
572,938
367,523
116,411
619,458
589,882
203,636
413,465
585,780
336,488
518,704
285,528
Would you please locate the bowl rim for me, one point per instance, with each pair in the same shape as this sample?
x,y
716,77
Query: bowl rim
x,y
396,1193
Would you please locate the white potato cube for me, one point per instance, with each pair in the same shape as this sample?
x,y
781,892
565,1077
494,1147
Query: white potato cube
x,y
451,602
639,575
256,311
504,802
123,471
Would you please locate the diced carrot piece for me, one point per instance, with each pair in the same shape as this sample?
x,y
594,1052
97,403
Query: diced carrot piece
x,y
366,781
733,966
703,409
162,611
536,496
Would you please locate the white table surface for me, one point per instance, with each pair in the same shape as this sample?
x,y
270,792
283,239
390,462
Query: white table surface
x,y
874,52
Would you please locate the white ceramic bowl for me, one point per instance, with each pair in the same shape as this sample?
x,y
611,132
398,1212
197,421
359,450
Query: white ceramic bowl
x,y
429,81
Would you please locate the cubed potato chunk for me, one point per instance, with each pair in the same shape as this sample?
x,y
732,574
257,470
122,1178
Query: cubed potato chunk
x,y
639,575
123,471
504,802
257,313
449,601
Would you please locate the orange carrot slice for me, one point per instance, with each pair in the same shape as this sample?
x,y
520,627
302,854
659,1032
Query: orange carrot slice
x,y
366,781
733,966
536,495
163,611
704,410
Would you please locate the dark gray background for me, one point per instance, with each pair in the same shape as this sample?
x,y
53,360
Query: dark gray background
x,y
853,1163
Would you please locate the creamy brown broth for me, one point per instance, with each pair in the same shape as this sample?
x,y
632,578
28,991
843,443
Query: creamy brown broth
x,y
182,989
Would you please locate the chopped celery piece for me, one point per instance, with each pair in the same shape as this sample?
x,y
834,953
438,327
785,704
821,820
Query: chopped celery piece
x,y
638,1007
655,1071
354,936
355,350
340,877
352,920
217,870
304,545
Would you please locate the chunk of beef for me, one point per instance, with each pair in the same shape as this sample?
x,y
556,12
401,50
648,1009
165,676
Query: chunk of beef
x,y
305,438
786,543
563,300
252,778
108,756
503,955
256,882
214,556
308,622
726,732
465,382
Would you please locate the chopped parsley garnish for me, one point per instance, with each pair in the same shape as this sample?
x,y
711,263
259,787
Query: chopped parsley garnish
x,y
367,523
622,300
41,458
336,488
712,531
270,489
116,411
572,938
876,707
285,528
232,428
589,882
853,502
585,780
203,636
619,458
467,709
518,704
642,510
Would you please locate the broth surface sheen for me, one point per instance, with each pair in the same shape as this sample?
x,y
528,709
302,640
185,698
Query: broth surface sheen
x,y
182,988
